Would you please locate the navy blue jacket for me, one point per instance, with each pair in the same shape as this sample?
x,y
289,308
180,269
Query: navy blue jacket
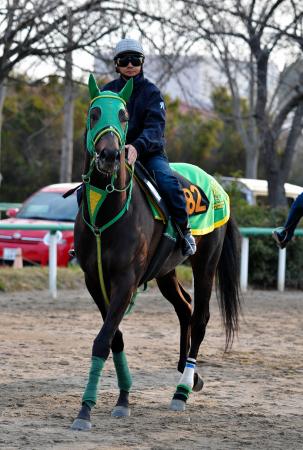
x,y
146,110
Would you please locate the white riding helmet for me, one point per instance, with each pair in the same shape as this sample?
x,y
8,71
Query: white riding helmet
x,y
128,46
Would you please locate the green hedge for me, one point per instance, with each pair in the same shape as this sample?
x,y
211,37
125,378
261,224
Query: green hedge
x,y
263,253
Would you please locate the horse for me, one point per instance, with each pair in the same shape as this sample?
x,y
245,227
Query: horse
x,y
116,238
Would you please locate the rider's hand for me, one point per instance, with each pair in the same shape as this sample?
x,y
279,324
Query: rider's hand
x,y
131,154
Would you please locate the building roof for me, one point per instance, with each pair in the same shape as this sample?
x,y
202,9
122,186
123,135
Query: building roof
x,y
253,188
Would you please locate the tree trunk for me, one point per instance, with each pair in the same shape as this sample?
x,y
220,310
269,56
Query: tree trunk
x,y
251,163
275,177
278,167
276,192
3,89
293,136
68,119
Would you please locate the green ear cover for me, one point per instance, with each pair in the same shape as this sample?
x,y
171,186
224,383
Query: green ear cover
x,y
93,87
126,92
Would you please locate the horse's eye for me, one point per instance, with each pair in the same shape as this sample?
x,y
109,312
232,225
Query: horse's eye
x,y
123,116
95,115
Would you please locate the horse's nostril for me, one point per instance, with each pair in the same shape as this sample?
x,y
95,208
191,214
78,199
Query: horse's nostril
x,y
108,156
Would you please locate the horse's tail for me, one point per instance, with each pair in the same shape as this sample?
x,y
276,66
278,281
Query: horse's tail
x,y
228,286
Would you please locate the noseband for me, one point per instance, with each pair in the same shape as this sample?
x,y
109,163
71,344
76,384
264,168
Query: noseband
x,y
98,155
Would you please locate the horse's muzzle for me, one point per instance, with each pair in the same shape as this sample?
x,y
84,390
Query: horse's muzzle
x,y
107,161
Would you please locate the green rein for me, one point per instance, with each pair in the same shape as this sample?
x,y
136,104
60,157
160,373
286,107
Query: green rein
x,y
95,198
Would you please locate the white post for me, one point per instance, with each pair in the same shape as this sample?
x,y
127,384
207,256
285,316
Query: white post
x,y
281,269
52,264
244,263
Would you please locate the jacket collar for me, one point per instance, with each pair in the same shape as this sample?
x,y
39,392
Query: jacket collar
x,y
138,80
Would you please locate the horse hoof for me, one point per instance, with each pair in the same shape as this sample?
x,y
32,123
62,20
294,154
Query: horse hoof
x,y
198,383
121,411
81,425
177,405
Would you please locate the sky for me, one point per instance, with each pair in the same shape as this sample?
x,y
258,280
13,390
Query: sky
x,y
37,69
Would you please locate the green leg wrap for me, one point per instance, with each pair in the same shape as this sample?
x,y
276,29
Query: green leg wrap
x,y
122,370
92,387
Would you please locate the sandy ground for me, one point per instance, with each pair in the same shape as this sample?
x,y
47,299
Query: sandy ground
x,y
252,397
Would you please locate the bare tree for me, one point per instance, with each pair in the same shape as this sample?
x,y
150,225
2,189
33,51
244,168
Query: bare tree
x,y
245,37
68,115
39,28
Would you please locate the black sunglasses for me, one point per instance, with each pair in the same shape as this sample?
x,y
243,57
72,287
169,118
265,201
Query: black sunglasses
x,y
135,61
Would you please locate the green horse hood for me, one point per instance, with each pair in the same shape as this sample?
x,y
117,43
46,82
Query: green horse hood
x,y
106,112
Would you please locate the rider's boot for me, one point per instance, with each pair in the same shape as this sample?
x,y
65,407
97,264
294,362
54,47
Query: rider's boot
x,y
281,236
188,241
189,246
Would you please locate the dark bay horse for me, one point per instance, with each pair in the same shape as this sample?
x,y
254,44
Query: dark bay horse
x,y
115,240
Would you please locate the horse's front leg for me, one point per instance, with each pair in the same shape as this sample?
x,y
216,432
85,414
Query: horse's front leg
x,y
119,300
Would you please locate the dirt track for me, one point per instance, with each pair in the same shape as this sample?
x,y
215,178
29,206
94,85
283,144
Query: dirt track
x,y
253,397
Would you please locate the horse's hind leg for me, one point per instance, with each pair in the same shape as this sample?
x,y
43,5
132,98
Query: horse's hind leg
x,y
172,290
204,264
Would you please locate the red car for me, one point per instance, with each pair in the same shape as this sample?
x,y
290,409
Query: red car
x,y
44,207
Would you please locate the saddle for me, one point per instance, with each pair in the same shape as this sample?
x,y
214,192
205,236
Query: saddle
x,y
149,186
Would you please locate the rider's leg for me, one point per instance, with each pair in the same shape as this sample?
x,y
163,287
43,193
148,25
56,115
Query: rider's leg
x,y
283,235
172,193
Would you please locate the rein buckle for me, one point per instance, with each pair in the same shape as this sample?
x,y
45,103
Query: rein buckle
x,y
97,231
110,188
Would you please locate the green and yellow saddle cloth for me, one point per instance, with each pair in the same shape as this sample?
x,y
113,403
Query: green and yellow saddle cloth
x,y
204,216
206,201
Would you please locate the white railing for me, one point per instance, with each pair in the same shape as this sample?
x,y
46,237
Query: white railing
x,y
245,232
52,228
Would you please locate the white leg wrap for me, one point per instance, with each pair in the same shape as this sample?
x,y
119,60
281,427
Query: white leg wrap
x,y
188,373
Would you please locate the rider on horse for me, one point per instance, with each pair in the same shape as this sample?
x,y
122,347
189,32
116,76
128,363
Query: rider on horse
x,y
117,240
145,137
